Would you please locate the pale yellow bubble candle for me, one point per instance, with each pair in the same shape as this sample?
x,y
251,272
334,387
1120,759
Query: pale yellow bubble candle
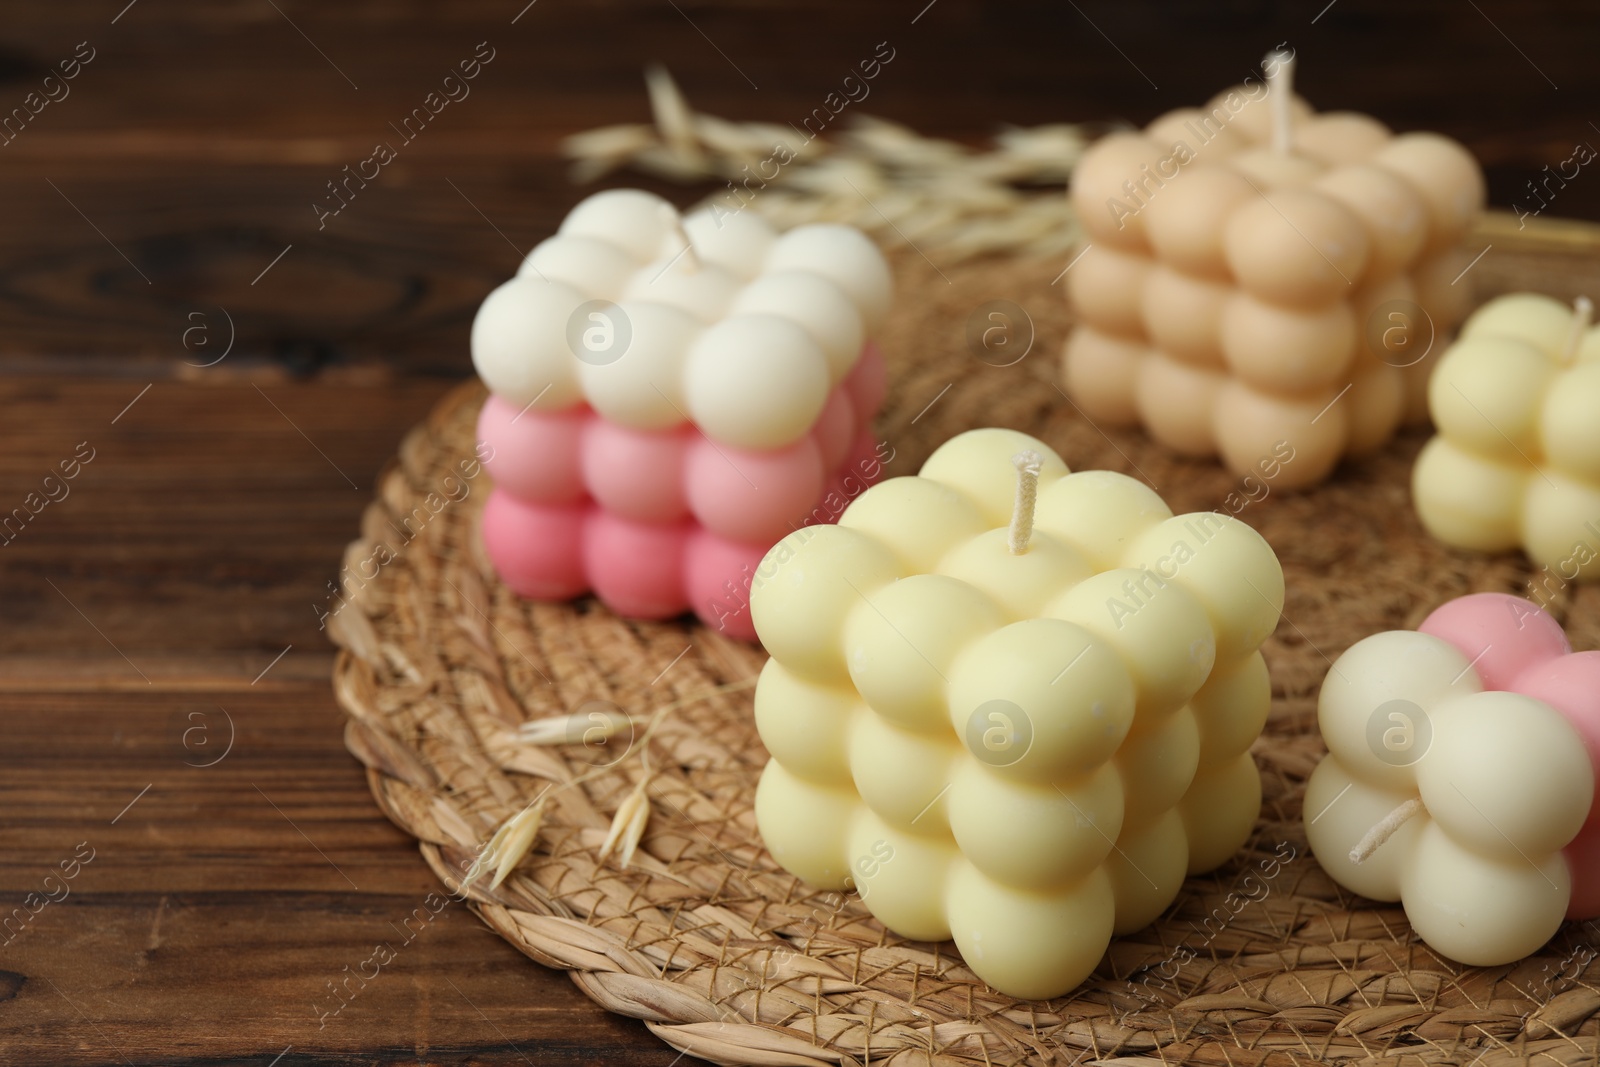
x,y
1012,705
1517,459
1460,777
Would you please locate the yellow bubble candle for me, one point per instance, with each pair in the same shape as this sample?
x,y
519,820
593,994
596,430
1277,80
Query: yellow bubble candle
x,y
1013,705
1517,459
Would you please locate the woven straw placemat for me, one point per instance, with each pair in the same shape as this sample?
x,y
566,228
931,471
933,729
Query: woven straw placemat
x,y
724,955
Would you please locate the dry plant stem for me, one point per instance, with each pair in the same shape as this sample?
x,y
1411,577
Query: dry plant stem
x,y
515,837
662,712
628,825
556,729
900,187
1385,829
672,114
521,832
510,842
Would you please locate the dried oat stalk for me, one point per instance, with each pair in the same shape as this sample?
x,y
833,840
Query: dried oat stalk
x,y
628,825
905,189
587,728
514,839
510,843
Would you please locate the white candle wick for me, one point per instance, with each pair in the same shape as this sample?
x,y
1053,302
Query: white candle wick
x,y
1280,90
691,259
1385,829
1582,316
1027,463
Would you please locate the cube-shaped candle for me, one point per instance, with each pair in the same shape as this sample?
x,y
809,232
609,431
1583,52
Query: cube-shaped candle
x,y
1257,273
1516,462
1460,777
672,396
1013,705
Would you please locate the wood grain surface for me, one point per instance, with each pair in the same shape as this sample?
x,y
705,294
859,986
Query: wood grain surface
x,y
162,671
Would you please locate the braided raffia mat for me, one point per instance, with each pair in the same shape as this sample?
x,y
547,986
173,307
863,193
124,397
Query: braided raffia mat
x,y
726,956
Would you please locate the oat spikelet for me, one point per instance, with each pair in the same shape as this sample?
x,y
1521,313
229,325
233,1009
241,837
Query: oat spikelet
x,y
579,728
509,845
628,826
675,120
887,179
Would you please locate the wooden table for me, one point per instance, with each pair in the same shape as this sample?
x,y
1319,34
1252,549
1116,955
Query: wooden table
x,y
162,669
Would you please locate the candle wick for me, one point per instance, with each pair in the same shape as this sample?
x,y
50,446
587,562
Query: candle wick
x,y
1582,316
1280,90
1027,463
1386,828
691,258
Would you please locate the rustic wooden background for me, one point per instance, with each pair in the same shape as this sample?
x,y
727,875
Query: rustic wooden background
x,y
162,674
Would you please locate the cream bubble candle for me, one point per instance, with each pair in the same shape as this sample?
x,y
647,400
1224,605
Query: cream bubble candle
x,y
1013,705
1255,272
1460,777
1516,462
670,397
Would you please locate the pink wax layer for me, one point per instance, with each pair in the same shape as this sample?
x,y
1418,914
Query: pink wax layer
x,y
1520,648
656,523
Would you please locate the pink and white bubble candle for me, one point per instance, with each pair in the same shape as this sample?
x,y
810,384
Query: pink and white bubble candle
x,y
671,396
1460,777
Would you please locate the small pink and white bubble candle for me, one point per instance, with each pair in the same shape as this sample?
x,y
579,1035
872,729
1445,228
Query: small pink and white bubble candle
x,y
671,396
1460,777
